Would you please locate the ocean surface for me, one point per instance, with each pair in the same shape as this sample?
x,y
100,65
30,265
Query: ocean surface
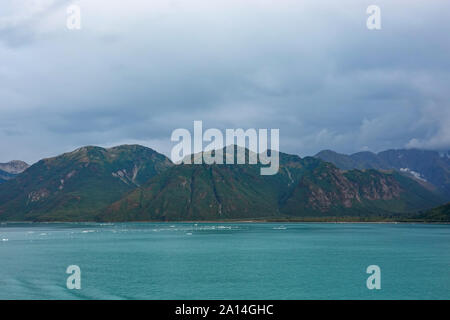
x,y
224,261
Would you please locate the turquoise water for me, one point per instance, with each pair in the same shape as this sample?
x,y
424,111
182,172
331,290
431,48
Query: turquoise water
x,y
224,261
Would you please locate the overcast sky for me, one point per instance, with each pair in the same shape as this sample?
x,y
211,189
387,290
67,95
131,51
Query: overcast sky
x,y
137,70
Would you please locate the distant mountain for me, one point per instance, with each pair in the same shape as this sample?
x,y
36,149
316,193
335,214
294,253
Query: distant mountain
x,y
11,169
76,185
307,187
441,213
424,166
14,167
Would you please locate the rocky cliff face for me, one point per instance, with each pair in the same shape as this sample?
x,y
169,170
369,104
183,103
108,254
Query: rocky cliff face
x,y
427,167
328,187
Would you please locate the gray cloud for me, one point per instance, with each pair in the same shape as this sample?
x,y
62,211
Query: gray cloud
x,y
137,71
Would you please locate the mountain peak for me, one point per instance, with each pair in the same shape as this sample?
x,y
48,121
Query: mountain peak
x,y
129,147
96,153
325,152
14,166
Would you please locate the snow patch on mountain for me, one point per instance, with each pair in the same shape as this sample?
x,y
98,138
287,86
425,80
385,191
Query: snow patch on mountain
x,y
415,174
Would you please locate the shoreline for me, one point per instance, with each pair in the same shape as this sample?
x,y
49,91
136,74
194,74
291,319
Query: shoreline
x,y
256,221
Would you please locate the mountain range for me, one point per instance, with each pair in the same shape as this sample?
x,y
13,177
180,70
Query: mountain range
x,y
135,183
427,167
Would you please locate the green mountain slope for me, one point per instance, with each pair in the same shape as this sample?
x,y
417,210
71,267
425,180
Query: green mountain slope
x,y
441,213
202,192
76,185
305,187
